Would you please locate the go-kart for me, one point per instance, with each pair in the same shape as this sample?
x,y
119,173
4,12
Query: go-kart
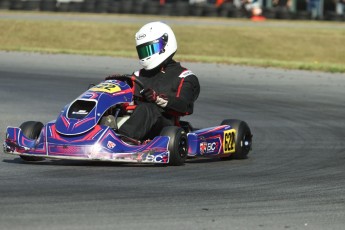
x,y
86,129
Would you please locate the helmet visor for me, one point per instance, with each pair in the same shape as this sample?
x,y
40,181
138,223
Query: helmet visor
x,y
150,48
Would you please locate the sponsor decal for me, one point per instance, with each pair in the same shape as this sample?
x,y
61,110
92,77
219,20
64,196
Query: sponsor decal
x,y
203,147
229,141
149,158
89,96
111,145
163,158
106,87
186,74
209,147
80,112
141,36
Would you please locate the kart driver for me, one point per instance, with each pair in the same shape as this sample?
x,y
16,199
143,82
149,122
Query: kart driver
x,y
170,89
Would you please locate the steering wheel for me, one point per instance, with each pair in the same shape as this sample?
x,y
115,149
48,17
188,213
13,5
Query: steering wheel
x,y
128,78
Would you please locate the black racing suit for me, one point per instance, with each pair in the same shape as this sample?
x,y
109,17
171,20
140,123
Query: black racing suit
x,y
177,85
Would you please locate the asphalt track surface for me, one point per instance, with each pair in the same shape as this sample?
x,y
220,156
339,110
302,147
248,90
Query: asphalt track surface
x,y
293,178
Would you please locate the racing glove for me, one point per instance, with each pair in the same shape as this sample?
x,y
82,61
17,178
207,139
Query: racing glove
x,y
151,96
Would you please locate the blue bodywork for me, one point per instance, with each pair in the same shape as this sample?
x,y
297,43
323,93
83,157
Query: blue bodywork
x,y
77,133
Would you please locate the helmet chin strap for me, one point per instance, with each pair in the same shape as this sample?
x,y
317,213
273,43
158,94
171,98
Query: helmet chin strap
x,y
162,66
166,62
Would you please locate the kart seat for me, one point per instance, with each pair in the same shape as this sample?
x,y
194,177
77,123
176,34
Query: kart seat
x,y
121,120
186,126
129,109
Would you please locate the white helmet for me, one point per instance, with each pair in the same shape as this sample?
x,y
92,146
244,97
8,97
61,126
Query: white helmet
x,y
155,43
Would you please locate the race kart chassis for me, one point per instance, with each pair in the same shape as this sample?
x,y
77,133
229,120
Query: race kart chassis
x,y
80,133
104,144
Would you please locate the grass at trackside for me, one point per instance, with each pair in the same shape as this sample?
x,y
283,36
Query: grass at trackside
x,y
308,48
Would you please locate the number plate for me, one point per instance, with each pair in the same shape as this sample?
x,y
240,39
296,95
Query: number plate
x,y
106,87
229,141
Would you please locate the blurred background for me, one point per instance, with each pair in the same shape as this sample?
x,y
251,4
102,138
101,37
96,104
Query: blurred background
x,y
332,10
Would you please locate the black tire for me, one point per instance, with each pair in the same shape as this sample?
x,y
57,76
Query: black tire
x,y
114,7
333,16
225,10
63,7
126,6
16,5
282,13
89,6
167,9
210,10
181,9
31,5
303,15
178,144
75,6
152,8
197,10
48,5
32,130
243,138
101,6
5,4
269,13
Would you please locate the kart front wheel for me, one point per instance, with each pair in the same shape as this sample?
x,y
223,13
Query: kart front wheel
x,y
178,144
242,140
32,130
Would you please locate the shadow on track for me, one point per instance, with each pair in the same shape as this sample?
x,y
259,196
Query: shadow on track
x,y
81,163
75,163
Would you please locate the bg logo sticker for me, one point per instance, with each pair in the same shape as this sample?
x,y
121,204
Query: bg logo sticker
x,y
141,36
229,141
111,145
203,147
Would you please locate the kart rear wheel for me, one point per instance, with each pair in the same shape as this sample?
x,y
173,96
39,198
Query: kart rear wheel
x,y
243,138
32,130
178,144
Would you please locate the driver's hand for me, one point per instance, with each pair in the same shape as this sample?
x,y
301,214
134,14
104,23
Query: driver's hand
x,y
149,94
